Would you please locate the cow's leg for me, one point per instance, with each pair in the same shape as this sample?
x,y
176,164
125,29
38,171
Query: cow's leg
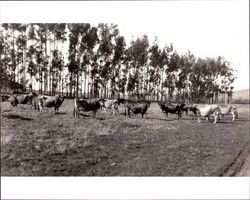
x,y
215,116
129,112
94,113
198,117
142,115
233,114
40,107
236,115
76,114
180,115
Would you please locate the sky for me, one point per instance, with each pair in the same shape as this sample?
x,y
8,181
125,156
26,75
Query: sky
x,y
206,28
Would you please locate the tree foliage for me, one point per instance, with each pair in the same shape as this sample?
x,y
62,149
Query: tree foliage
x,y
96,60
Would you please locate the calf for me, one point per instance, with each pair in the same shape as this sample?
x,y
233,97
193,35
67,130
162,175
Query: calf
x,y
49,101
171,108
86,105
137,107
228,109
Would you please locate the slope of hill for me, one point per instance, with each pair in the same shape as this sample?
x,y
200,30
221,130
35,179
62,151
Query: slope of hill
x,y
241,96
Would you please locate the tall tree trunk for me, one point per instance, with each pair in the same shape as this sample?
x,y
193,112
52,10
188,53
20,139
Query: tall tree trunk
x,y
13,59
84,87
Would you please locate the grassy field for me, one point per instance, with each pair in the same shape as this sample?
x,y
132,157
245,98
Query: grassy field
x,y
45,144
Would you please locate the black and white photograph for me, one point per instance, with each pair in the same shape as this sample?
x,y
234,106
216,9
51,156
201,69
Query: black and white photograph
x,y
125,89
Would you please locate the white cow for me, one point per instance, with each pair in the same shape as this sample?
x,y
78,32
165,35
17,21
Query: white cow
x,y
206,110
227,110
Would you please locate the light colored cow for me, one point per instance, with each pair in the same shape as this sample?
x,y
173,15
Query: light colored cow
x,y
206,110
229,109
49,101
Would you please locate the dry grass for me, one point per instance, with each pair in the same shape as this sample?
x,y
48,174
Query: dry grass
x,y
45,144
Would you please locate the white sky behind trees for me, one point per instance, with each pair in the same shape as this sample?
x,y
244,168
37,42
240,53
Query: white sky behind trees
x,y
206,28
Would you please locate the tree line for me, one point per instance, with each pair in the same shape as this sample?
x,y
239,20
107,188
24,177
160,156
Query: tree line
x,y
80,59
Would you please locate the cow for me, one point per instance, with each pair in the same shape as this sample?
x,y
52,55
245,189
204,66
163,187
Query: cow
x,y
206,110
49,101
171,108
184,108
110,104
21,99
121,101
190,108
86,105
36,100
5,97
137,107
228,109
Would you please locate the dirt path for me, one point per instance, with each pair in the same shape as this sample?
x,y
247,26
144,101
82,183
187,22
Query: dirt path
x,y
245,169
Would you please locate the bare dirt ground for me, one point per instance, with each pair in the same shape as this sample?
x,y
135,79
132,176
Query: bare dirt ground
x,y
45,144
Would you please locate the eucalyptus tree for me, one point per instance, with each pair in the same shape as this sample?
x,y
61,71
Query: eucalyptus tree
x,y
21,43
171,71
118,76
226,76
138,54
5,58
82,41
56,36
74,59
89,40
10,32
186,63
32,54
105,55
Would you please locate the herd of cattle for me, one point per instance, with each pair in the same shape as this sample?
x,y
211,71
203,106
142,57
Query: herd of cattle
x,y
38,102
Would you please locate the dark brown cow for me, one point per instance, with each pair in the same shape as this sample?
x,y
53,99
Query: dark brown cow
x,y
137,107
4,97
49,101
86,105
171,108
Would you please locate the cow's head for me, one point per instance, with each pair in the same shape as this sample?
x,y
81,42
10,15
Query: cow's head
x,y
61,98
102,102
148,103
13,100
